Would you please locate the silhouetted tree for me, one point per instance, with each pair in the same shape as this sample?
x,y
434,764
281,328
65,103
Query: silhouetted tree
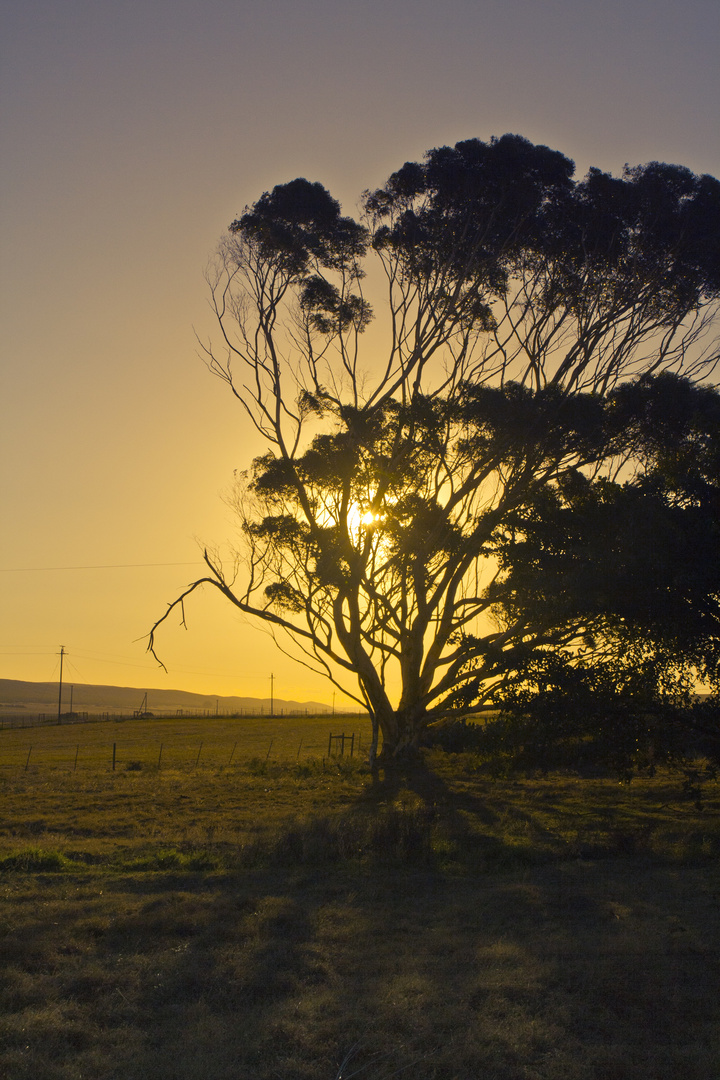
x,y
640,561
518,301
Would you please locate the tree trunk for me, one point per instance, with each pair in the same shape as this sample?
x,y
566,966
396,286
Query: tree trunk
x,y
372,757
400,737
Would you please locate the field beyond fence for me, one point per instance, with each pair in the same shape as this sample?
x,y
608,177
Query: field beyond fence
x,y
178,742
40,718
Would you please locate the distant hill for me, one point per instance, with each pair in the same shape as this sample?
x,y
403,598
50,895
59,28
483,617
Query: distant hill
x,y
16,696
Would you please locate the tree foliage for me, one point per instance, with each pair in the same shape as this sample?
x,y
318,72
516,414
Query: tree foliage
x,y
640,560
435,512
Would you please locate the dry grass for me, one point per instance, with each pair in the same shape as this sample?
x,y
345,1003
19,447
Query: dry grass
x,y
277,920
174,742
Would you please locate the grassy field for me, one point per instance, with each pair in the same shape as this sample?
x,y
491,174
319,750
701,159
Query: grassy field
x,y
174,741
285,917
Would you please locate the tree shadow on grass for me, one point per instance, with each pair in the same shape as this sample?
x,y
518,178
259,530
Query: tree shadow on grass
x,y
386,935
453,819
556,971
359,937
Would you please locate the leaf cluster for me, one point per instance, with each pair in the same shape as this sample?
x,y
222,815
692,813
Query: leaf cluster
x,y
298,229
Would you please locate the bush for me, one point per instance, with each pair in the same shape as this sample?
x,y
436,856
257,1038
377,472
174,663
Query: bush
x,y
401,833
456,737
35,860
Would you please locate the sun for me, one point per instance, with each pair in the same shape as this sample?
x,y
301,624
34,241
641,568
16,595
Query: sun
x,y
360,517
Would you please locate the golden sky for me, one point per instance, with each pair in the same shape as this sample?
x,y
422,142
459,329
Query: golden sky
x,y
132,134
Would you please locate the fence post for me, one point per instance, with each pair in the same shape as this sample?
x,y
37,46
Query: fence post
x,y
269,748
114,752
233,753
197,759
160,755
77,751
330,744
28,759
352,744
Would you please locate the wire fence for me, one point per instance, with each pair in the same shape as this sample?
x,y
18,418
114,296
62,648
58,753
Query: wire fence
x,y
134,755
49,719
181,742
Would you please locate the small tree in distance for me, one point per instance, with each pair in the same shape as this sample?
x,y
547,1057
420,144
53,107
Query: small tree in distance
x,y
380,523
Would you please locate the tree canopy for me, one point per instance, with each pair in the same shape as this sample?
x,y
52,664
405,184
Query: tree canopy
x,y
487,485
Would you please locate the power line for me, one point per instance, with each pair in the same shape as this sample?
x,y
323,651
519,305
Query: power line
x,y
24,652
125,661
103,566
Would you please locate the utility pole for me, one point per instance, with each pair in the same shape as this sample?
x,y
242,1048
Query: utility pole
x,y
62,653
272,695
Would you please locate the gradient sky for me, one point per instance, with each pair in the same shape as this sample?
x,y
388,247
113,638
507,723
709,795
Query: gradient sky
x,y
133,132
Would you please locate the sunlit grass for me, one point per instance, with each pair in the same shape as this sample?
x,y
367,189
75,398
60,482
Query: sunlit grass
x,y
175,742
273,919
